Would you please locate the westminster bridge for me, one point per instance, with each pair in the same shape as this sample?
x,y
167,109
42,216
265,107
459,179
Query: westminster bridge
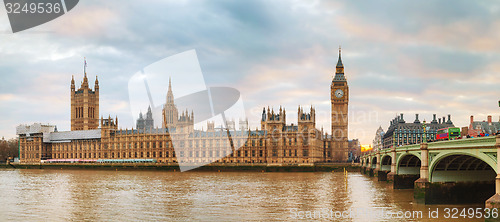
x,y
457,171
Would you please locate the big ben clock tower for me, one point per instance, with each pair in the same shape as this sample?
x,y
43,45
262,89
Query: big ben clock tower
x,y
339,92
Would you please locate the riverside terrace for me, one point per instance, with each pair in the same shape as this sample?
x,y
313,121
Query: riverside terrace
x,y
447,172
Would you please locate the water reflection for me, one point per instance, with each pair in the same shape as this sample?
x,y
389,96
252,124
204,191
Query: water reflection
x,y
62,195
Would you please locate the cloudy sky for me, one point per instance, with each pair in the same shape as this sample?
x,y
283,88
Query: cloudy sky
x,y
400,57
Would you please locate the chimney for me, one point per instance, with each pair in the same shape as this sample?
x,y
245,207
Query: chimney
x,y
471,119
449,119
489,120
439,120
416,119
401,120
434,118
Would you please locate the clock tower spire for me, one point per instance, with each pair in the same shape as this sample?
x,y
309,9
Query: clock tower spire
x,y
339,94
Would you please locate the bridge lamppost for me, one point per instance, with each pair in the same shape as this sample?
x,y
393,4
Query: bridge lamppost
x,y
424,139
422,184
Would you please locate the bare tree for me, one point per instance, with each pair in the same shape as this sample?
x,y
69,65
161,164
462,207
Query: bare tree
x,y
8,149
13,148
4,147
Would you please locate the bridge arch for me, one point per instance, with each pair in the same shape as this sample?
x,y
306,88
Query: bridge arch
x,y
385,163
374,162
408,163
462,167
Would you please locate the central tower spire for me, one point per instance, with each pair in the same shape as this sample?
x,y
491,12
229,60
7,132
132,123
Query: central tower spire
x,y
170,112
170,94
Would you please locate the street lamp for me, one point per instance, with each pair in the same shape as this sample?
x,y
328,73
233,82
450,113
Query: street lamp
x,y
424,139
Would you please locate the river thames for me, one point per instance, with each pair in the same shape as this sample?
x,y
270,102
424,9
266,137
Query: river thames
x,y
76,195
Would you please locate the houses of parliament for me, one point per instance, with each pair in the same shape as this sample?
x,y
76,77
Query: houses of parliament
x,y
94,138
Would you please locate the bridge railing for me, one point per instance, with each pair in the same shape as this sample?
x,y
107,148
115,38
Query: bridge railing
x,y
479,142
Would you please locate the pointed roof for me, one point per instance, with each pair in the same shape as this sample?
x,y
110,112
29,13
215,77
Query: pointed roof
x,y
339,63
170,94
339,73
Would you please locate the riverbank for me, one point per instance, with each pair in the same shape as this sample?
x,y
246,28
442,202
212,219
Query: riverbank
x,y
323,167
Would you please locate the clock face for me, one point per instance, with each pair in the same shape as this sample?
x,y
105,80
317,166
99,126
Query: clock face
x,y
339,93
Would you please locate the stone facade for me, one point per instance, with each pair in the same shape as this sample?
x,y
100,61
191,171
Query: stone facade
x,y
378,141
84,105
401,133
487,127
275,143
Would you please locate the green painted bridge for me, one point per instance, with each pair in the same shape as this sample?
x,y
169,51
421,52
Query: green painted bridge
x,y
445,172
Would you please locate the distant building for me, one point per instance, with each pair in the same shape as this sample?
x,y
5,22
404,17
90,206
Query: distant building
x,y
477,127
170,113
401,133
145,124
354,148
378,141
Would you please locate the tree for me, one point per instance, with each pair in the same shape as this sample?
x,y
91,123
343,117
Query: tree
x,y
4,147
13,148
8,149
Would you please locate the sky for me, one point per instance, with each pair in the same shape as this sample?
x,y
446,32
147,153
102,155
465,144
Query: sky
x,y
406,57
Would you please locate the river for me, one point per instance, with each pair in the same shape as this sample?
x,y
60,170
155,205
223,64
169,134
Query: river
x,y
76,195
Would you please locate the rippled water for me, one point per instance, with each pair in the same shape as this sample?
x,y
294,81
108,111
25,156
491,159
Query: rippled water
x,y
62,195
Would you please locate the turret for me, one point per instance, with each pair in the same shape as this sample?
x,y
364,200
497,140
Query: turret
x,y
306,120
263,115
72,83
96,86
